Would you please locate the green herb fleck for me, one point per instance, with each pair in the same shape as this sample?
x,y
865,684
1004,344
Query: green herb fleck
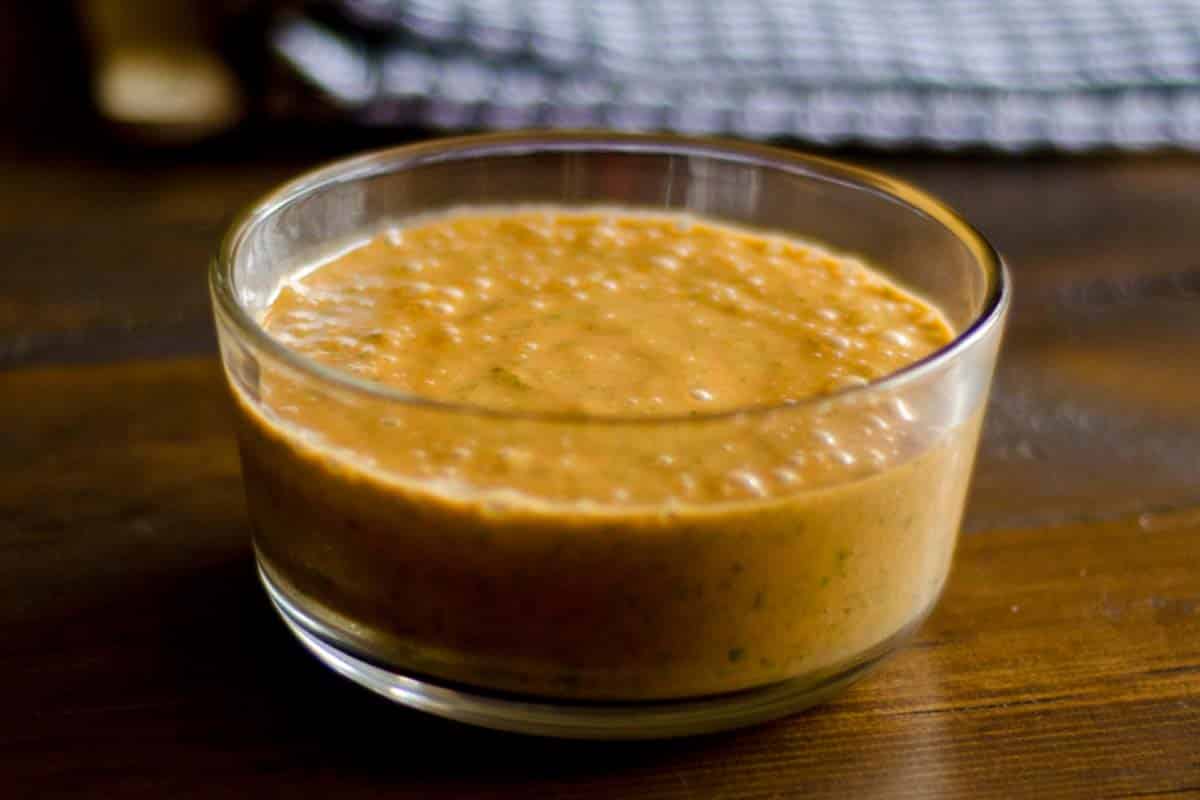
x,y
508,378
736,654
758,600
824,581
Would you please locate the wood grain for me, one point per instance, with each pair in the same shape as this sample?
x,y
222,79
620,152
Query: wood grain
x,y
1062,662
142,661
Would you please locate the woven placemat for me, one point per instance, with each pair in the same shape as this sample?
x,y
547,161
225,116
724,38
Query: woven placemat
x,y
1008,74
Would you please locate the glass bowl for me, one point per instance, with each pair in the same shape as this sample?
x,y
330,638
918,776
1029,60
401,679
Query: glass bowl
x,y
522,600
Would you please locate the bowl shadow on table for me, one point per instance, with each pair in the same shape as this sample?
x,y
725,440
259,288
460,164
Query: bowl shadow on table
x,y
304,719
358,730
251,679
184,680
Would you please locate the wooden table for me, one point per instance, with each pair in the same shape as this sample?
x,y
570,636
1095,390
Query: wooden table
x,y
139,657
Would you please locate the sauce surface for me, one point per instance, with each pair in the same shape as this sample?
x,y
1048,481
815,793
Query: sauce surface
x,y
602,313
637,558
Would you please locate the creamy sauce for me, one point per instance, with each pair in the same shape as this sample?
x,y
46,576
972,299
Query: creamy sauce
x,y
629,558
602,313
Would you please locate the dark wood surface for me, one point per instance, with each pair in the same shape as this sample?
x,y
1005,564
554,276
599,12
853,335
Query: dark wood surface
x,y
138,658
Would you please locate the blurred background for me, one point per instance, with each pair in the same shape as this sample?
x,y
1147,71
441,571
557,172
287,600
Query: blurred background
x,y
1007,76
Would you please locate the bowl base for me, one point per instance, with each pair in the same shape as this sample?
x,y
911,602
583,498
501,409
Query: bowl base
x,y
573,719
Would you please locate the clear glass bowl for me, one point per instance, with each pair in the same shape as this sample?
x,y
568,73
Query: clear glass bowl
x,y
521,601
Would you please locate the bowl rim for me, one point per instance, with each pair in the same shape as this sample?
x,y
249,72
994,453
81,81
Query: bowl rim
x,y
439,150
